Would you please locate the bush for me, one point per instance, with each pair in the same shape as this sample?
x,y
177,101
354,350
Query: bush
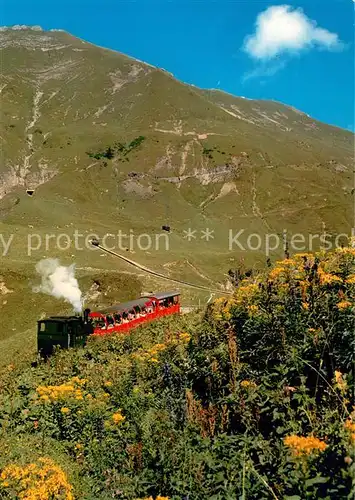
x,y
252,400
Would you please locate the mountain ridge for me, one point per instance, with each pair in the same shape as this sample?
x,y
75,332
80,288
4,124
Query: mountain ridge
x,y
131,57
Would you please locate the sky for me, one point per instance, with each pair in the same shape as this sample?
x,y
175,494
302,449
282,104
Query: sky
x,y
299,53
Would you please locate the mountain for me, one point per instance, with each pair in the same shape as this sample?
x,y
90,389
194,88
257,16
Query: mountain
x,y
95,141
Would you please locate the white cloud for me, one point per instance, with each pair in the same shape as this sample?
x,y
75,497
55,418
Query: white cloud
x,y
283,29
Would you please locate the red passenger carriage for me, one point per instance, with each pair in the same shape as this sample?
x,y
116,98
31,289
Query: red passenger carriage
x,y
123,317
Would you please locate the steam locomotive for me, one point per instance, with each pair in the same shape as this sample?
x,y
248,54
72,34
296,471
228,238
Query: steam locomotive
x,y
73,331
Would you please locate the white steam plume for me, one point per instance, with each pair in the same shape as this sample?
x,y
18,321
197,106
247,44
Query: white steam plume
x,y
60,282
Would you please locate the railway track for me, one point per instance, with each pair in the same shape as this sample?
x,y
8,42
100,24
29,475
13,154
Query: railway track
x,y
97,244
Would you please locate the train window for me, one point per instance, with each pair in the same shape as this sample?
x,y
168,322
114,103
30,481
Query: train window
x,y
42,327
99,323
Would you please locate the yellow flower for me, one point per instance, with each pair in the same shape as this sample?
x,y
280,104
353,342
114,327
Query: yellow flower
x,y
248,383
340,382
108,383
185,337
302,255
350,427
344,304
351,279
275,273
54,393
304,446
156,498
305,306
286,262
328,279
37,481
65,410
118,418
154,360
253,309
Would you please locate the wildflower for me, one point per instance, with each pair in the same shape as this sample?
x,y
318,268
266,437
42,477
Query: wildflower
x,y
339,381
161,347
304,446
351,279
37,481
108,383
327,278
253,309
305,306
346,250
156,498
65,410
118,418
286,262
303,255
154,360
185,337
275,273
248,383
350,426
79,446
344,304
54,393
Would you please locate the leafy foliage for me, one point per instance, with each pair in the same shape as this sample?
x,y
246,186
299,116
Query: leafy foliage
x,y
251,400
117,150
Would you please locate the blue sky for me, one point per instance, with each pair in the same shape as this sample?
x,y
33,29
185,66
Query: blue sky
x,y
304,58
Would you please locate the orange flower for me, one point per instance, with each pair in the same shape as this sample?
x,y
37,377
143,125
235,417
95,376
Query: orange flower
x,y
118,418
339,381
248,383
304,446
327,278
344,304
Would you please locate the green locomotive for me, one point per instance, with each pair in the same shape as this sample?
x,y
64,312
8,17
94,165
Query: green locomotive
x,y
63,331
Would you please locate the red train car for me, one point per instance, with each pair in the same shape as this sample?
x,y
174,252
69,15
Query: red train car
x,y
121,318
